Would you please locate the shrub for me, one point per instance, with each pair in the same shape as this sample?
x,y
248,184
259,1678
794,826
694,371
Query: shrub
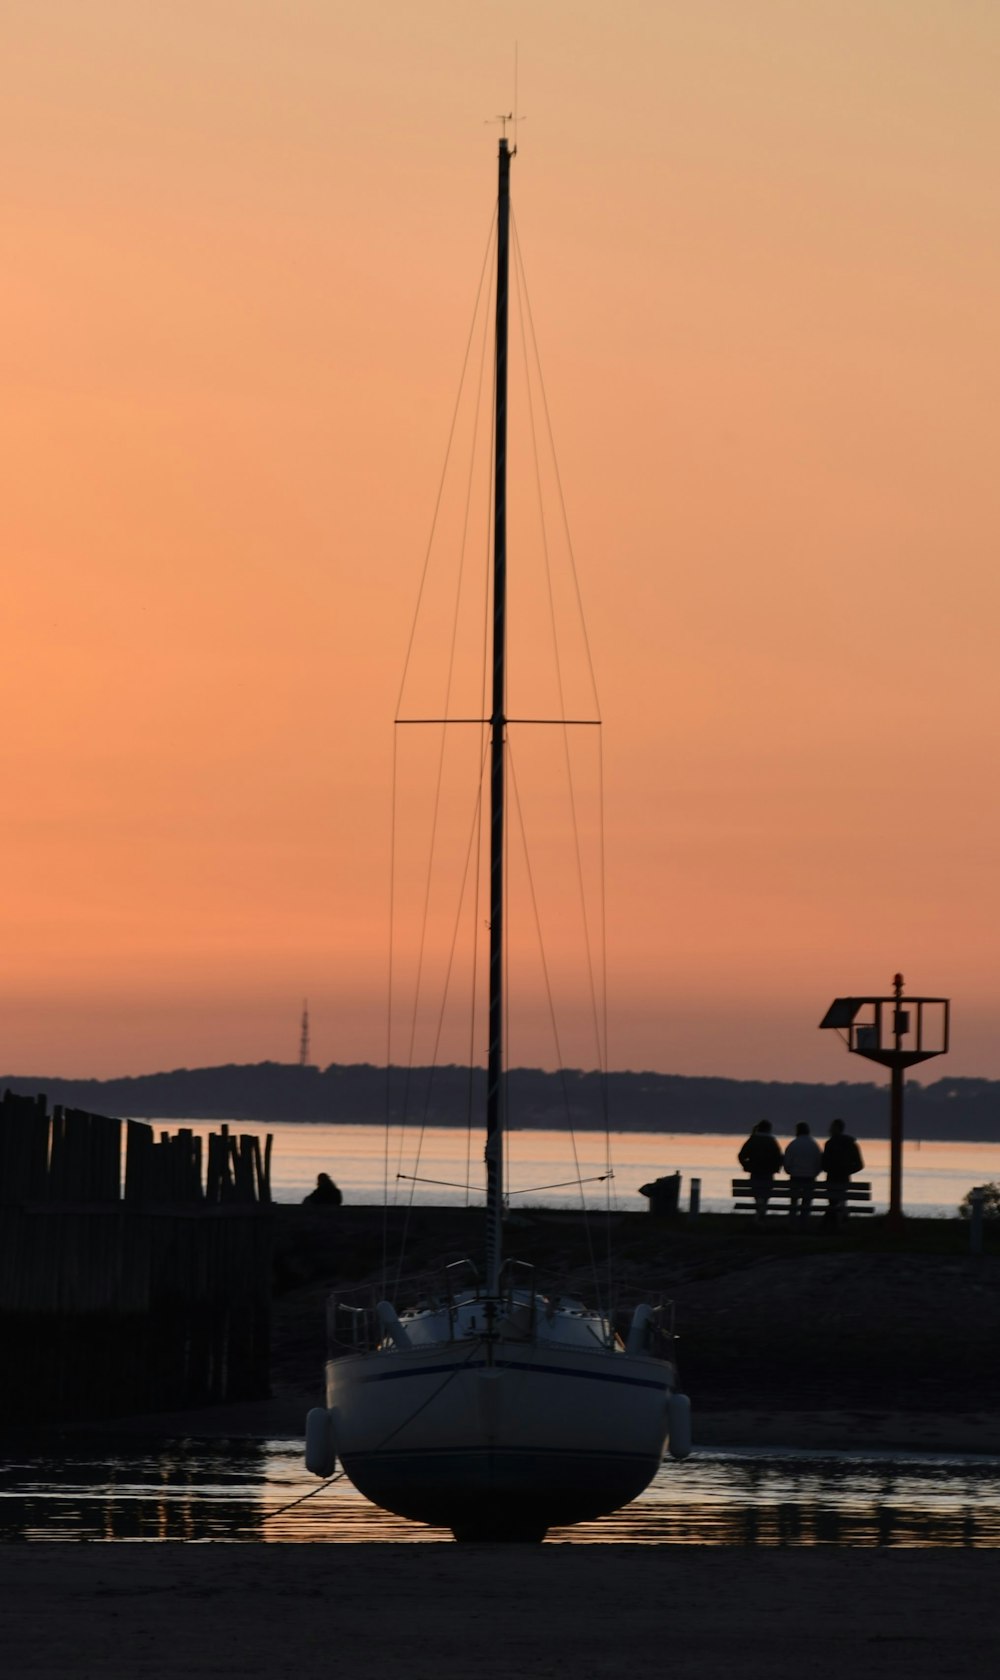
x,y
991,1201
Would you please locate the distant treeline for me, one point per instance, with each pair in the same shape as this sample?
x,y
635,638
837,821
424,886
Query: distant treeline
x,y
447,1096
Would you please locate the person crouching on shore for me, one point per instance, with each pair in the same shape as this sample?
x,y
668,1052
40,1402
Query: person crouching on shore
x,y
326,1193
803,1159
761,1157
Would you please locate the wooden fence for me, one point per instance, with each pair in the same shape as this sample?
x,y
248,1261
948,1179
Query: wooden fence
x,y
135,1290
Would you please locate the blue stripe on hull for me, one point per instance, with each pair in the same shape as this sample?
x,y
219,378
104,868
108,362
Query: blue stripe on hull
x,y
510,1365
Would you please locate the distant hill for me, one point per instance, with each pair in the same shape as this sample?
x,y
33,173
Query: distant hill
x,y
660,1102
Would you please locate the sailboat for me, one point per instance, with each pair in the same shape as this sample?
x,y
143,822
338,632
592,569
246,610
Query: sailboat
x,y
489,1407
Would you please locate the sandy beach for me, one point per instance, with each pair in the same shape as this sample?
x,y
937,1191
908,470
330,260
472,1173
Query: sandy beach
x,y
429,1612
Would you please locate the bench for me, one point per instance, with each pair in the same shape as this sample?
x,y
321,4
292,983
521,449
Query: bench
x,y
858,1194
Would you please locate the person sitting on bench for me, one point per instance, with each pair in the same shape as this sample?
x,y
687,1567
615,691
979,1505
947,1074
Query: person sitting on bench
x,y
803,1159
841,1158
761,1158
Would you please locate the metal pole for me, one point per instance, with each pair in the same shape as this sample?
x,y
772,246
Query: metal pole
x,y
896,1112
498,722
896,1147
694,1206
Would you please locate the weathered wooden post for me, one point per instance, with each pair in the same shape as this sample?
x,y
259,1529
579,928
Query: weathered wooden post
x,y
124,1297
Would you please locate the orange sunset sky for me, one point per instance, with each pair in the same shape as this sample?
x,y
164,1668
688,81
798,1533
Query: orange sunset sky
x,y
241,240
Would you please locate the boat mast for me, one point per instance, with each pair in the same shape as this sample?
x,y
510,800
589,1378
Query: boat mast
x,y
498,722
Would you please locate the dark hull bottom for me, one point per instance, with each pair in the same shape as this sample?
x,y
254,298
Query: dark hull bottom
x,y
500,1494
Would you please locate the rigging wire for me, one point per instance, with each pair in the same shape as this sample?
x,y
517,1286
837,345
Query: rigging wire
x,y
597,985
438,785
529,318
432,843
446,1183
570,784
447,457
598,993
269,1516
452,1374
610,1193
533,898
473,986
388,1019
339,1475
472,847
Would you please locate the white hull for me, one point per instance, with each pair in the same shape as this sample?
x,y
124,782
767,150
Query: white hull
x,y
498,1436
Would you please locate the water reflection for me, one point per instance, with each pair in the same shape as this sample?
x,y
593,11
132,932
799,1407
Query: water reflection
x,y
937,1174
238,1491
178,1490
794,1499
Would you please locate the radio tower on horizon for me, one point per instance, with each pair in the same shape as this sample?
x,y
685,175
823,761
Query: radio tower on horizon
x,y
304,1035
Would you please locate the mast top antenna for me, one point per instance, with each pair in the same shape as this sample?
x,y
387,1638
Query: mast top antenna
x,y
505,117
513,116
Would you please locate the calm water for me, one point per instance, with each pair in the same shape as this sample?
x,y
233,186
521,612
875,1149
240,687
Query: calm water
x,y
936,1175
236,1492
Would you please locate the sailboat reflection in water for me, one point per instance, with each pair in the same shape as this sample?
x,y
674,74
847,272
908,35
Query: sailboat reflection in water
x,y
488,1407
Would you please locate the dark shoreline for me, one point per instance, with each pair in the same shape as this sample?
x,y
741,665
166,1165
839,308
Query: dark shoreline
x,y
817,1341
362,1093
769,1322
820,1342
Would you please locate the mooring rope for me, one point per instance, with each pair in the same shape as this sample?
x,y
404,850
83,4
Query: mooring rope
x,y
340,1475
269,1516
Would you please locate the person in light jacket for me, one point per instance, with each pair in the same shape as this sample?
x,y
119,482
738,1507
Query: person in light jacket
x,y
803,1159
761,1158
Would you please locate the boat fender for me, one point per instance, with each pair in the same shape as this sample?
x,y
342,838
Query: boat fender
x,y
391,1327
321,1450
679,1425
638,1331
